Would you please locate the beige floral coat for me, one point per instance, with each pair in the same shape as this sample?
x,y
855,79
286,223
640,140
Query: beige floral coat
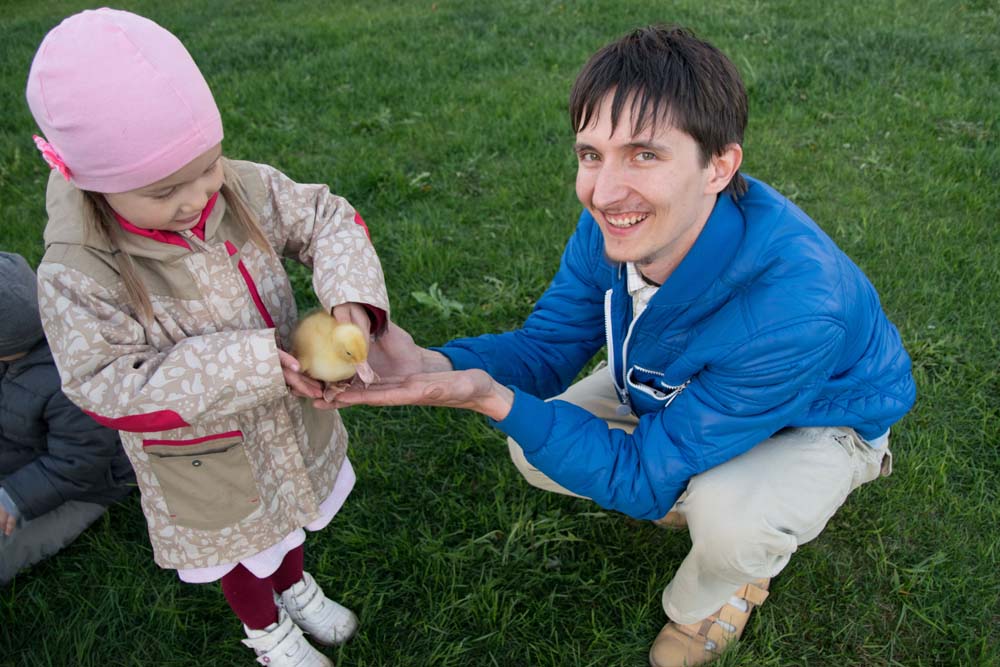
x,y
227,460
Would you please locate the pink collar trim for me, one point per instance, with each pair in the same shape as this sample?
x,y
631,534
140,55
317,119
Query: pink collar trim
x,y
173,238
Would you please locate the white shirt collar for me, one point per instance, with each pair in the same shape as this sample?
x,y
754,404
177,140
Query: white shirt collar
x,y
639,289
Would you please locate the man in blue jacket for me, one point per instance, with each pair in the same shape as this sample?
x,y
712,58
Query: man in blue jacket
x,y
752,375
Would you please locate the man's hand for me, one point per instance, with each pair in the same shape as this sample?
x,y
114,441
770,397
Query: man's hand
x,y
8,522
471,390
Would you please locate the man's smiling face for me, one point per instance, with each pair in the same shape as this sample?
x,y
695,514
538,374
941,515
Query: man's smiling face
x,y
649,193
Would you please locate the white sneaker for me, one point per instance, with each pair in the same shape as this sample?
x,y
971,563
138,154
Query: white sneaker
x,y
281,644
326,621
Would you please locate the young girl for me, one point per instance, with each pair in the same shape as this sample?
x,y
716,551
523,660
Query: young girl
x,y
166,305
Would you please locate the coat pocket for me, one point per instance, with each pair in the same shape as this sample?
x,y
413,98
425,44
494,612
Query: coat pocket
x,y
206,482
651,384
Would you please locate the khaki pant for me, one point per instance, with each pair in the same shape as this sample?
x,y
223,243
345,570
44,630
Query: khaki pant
x,y
748,515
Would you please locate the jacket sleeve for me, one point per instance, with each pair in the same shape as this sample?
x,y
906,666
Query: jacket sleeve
x,y
728,407
324,232
564,330
109,370
77,459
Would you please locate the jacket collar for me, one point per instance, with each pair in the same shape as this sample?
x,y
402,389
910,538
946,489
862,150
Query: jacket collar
x,y
67,225
707,259
165,236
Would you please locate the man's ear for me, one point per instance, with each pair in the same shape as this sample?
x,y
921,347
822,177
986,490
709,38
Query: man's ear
x,y
722,168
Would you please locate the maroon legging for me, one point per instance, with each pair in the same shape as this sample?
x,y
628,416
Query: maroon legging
x,y
251,598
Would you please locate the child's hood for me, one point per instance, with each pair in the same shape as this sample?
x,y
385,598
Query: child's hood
x,y
67,225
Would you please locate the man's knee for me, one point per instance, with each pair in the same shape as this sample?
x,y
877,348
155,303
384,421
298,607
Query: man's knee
x,y
734,529
750,524
791,483
533,475
750,546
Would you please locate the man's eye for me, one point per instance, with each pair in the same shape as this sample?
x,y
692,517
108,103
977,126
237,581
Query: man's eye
x,y
646,155
588,157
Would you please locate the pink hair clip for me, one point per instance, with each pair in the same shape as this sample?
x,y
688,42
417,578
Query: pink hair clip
x,y
51,156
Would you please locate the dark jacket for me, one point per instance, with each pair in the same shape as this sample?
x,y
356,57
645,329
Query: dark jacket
x,y
50,451
765,324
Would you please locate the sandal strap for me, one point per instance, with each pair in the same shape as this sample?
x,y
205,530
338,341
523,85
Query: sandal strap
x,y
714,632
753,593
698,632
708,630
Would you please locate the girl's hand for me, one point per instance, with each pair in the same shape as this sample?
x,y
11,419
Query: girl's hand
x,y
299,384
354,313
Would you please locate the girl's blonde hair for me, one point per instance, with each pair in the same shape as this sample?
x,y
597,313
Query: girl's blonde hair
x,y
100,221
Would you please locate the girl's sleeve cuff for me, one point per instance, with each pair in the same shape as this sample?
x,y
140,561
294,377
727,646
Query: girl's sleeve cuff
x,y
378,318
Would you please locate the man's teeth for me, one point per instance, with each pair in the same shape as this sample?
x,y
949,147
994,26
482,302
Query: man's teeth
x,y
626,221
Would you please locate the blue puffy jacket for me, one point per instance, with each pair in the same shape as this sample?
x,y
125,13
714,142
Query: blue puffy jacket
x,y
765,324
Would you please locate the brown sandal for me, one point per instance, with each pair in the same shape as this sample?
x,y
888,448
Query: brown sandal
x,y
698,643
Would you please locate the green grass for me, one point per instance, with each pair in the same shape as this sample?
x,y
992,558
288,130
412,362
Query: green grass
x,y
444,123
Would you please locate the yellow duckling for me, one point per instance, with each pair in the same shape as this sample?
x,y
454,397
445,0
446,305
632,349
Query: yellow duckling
x,y
329,350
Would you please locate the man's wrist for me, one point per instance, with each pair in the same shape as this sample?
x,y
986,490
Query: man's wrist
x,y
434,362
498,404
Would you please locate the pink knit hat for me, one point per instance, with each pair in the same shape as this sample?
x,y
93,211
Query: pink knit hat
x,y
120,101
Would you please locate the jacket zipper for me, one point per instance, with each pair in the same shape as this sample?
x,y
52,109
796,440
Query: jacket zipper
x,y
660,374
609,344
248,281
628,337
622,388
251,287
667,392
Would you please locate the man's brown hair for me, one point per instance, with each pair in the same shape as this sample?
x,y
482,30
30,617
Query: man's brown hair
x,y
667,75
